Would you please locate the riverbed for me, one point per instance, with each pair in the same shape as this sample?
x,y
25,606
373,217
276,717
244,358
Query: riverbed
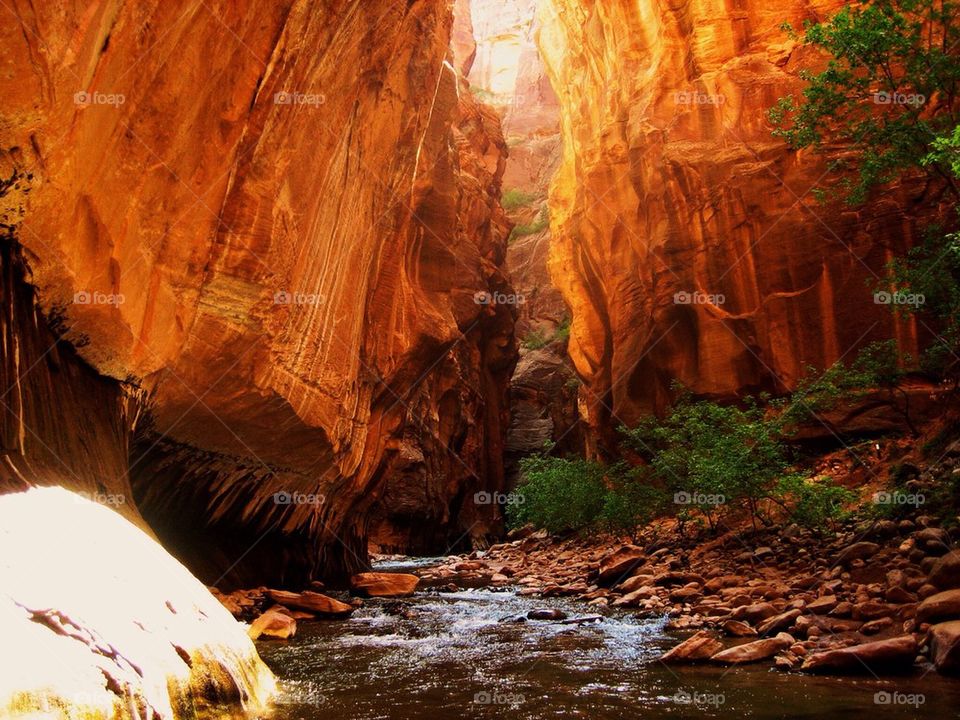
x,y
464,654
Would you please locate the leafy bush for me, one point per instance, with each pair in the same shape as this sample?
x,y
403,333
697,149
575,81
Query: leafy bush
x,y
812,503
558,494
723,454
514,199
538,225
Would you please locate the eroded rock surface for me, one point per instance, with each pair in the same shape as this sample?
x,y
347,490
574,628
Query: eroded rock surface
x,y
272,221
686,238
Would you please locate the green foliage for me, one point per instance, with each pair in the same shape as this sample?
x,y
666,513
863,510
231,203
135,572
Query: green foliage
x,y
876,365
541,223
812,503
889,92
514,199
629,501
712,454
536,339
932,269
559,494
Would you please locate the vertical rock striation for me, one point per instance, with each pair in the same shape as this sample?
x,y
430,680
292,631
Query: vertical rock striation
x,y
686,238
272,220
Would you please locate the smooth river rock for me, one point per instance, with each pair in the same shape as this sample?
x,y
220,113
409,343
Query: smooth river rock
x,y
377,584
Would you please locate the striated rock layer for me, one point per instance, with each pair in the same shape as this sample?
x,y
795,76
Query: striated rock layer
x,y
271,220
686,238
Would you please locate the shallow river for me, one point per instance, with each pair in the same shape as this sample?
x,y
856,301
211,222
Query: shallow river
x,y
450,656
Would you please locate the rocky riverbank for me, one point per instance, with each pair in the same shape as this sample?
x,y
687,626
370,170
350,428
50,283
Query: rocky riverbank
x,y
862,600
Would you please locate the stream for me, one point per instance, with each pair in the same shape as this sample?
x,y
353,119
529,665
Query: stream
x,y
452,655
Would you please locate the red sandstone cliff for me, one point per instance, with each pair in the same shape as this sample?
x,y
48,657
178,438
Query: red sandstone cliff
x,y
271,219
672,189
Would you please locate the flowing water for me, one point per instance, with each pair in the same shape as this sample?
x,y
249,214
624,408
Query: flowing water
x,y
451,655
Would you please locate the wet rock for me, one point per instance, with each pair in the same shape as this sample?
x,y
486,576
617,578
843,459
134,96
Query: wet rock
x,y
389,585
942,606
310,601
945,647
894,654
584,620
753,651
273,623
547,614
697,648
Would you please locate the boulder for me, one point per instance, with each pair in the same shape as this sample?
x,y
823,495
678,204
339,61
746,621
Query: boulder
x,y
775,624
753,651
547,614
945,647
380,584
893,654
945,573
822,605
273,623
617,566
857,551
696,648
941,606
738,628
98,618
312,602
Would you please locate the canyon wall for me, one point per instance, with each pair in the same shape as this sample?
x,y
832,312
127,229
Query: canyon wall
x,y
265,225
687,240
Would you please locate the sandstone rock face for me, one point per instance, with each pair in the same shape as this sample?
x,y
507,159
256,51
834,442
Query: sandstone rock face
x,y
134,637
686,239
272,222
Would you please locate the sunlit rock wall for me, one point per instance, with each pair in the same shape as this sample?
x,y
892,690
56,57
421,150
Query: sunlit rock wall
x,y
263,217
687,240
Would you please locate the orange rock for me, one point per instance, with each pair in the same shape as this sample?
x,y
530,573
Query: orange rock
x,y
273,623
311,602
377,584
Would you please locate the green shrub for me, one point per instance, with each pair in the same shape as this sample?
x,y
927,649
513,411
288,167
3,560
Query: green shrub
x,y
558,494
514,199
812,503
538,225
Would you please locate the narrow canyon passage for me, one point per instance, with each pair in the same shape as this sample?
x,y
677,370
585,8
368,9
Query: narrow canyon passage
x,y
470,358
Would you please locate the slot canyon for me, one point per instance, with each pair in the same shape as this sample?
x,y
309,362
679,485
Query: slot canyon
x,y
377,358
